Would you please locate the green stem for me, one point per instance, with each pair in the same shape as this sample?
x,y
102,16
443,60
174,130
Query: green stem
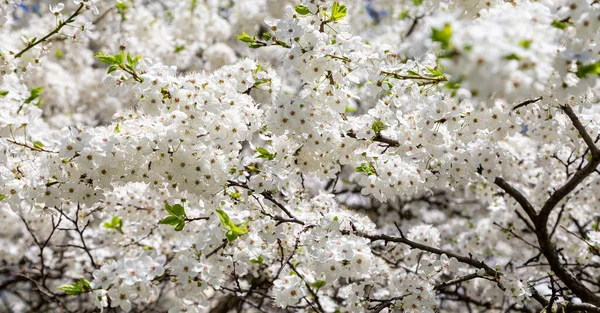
x,y
60,25
398,76
132,73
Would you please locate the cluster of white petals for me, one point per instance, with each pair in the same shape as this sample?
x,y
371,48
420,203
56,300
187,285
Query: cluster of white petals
x,y
299,156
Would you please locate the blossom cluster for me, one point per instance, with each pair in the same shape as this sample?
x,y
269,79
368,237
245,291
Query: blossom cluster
x,y
310,155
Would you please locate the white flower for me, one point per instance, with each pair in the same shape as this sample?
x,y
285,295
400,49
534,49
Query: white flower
x,y
119,296
288,290
55,9
100,298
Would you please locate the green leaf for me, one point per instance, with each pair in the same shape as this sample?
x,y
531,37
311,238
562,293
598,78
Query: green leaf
x,y
81,286
115,223
235,195
266,37
3,93
589,69
117,128
559,25
175,210
233,230
85,284
71,289
452,85
513,56
180,226
258,260
366,168
112,68
170,220
282,44
525,43
245,38
106,58
378,126
179,48
58,53
404,14
2,197
35,93
119,58
264,153
413,73
442,35
319,283
417,2
350,109
338,11
256,45
122,7
225,220
193,5
231,236
435,72
302,10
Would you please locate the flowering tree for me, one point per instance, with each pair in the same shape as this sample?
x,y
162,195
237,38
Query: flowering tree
x,y
303,156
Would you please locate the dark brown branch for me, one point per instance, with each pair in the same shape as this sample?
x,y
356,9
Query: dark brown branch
x,y
456,281
518,196
526,102
415,245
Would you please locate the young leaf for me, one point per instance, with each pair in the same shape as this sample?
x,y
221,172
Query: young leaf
x,y
264,153
589,69
256,45
435,72
3,93
175,210
245,38
366,168
179,48
129,59
112,68
80,286
319,283
71,289
525,43
338,11
170,220
266,37
119,58
225,220
302,10
85,284
35,93
378,126
115,223
106,58
180,226
559,25
233,230
513,56
231,236
442,35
